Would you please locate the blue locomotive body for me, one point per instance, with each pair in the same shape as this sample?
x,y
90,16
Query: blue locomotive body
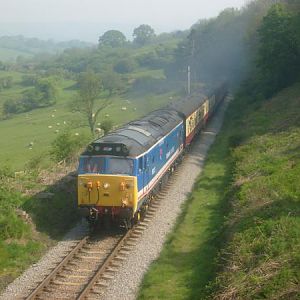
x,y
153,164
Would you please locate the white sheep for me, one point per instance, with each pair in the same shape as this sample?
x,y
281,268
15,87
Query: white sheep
x,y
98,130
124,108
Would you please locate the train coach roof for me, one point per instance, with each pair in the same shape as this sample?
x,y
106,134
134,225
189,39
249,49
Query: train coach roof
x,y
189,104
140,135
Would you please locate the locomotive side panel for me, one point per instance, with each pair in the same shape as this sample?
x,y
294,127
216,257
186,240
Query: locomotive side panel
x,y
158,159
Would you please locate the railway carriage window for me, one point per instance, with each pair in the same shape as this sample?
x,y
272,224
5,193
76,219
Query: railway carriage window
x,y
120,166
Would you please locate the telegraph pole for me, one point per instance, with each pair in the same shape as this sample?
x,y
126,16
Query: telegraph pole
x,y
189,80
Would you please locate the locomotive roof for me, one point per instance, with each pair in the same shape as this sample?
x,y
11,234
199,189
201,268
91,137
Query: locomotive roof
x,y
140,135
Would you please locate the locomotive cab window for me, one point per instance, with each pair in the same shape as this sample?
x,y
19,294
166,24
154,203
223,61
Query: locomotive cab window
x,y
91,164
120,166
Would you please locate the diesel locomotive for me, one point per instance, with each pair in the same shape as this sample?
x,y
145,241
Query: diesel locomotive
x,y
119,174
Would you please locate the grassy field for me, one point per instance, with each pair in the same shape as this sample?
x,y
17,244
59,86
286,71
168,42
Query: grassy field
x,y
17,132
11,54
238,235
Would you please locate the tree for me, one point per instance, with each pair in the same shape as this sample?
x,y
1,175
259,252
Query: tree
x,y
113,38
125,65
143,34
89,93
279,50
112,82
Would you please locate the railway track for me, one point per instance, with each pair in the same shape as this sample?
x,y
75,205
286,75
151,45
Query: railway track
x,y
85,271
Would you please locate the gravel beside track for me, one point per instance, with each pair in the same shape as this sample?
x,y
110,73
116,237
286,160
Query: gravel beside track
x,y
126,281
29,279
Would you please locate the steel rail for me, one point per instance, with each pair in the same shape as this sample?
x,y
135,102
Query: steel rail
x,y
39,289
102,267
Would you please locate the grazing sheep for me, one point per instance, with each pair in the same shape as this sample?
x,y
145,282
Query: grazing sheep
x,y
107,115
49,126
98,131
57,124
65,122
124,108
56,131
52,116
76,133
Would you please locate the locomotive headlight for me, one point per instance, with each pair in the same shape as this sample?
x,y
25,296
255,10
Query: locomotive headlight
x,y
122,186
98,184
106,185
89,185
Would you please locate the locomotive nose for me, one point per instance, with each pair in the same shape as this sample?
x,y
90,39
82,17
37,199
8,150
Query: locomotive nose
x,y
107,190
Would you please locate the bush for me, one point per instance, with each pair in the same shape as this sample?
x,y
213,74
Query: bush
x,y
65,146
150,84
11,226
106,126
125,66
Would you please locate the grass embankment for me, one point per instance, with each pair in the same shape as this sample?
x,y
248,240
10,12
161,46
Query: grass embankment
x,y
30,224
239,234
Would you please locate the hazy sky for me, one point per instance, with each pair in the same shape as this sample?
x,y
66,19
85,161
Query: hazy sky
x,y
163,15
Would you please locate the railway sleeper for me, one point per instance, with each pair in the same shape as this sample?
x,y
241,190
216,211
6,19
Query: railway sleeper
x,y
107,276
120,258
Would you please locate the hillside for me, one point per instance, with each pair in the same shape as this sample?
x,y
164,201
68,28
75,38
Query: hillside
x,y
16,47
238,235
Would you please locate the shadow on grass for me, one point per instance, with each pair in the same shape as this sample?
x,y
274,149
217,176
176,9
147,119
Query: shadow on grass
x,y
54,211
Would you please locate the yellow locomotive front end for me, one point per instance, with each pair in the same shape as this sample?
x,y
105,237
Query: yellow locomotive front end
x,y
107,189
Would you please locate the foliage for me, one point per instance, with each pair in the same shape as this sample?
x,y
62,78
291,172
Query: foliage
x,y
124,66
279,52
90,88
6,82
106,126
148,84
65,146
43,94
112,38
143,34
112,82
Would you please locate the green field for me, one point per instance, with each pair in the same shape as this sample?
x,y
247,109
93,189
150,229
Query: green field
x,y
17,132
11,55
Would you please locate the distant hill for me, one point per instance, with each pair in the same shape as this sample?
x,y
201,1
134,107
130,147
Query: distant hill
x,y
12,47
